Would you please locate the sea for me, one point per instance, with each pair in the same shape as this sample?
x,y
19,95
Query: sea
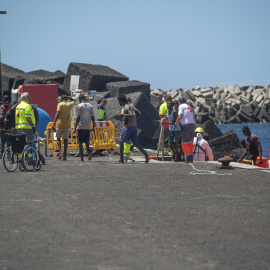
x,y
261,130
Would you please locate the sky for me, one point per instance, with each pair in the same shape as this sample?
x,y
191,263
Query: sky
x,y
170,44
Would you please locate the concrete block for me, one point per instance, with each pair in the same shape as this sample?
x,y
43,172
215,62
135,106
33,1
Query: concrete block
x,y
250,89
128,87
259,98
146,128
223,145
237,90
211,129
157,92
202,117
196,93
92,77
190,95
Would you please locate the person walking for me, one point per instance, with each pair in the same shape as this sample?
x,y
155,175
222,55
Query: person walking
x,y
201,147
4,108
130,128
185,117
25,121
62,120
85,115
253,147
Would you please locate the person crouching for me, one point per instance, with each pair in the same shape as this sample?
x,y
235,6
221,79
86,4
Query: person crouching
x,y
201,147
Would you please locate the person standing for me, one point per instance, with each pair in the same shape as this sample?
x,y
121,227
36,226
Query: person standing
x,y
85,114
185,116
253,147
174,131
4,108
130,129
62,117
101,110
162,113
201,147
25,121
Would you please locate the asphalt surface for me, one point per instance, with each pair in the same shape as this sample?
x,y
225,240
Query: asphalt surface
x,y
99,215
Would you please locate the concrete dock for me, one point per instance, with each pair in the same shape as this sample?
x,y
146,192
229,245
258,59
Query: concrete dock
x,y
99,215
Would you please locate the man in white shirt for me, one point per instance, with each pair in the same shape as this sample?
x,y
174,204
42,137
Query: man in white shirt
x,y
185,116
85,114
201,147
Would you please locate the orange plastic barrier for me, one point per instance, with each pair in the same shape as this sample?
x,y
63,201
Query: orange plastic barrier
x,y
103,137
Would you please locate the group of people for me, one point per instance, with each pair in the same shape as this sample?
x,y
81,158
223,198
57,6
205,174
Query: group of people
x,y
181,130
178,121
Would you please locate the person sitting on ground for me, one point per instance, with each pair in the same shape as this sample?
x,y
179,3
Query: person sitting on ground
x,y
62,117
201,147
102,110
253,147
130,129
85,114
174,131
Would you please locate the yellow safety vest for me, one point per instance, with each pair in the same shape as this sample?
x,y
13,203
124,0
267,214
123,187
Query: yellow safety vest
x,y
101,112
24,110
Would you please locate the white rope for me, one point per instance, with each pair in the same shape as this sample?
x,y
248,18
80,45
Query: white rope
x,y
205,171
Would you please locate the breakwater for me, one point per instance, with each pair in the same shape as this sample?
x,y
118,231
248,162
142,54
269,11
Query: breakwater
x,y
223,104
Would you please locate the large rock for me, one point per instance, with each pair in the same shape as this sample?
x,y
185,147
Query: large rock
x,y
40,77
128,87
156,101
146,127
92,77
8,75
226,145
211,131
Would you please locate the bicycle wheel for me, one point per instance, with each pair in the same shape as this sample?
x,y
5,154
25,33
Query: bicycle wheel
x,y
38,167
10,160
30,158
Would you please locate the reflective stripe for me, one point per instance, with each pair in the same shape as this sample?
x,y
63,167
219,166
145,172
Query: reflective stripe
x,y
22,124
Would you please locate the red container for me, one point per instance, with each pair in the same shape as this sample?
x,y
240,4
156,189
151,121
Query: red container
x,y
43,95
263,165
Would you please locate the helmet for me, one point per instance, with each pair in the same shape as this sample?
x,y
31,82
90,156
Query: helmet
x,y
199,130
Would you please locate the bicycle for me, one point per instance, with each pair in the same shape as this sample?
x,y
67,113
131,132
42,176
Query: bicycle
x,y
20,154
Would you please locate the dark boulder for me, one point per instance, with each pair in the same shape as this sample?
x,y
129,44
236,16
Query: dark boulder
x,y
226,145
211,131
146,127
8,75
156,101
92,77
128,87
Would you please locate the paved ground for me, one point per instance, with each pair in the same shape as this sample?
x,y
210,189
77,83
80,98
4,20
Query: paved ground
x,y
99,215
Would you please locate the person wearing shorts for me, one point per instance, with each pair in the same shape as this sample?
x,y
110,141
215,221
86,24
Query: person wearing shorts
x,y
185,116
130,129
62,120
85,114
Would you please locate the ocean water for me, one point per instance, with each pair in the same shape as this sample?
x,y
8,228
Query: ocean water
x,y
261,130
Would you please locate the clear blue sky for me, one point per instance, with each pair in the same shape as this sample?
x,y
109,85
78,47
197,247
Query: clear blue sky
x,y
167,43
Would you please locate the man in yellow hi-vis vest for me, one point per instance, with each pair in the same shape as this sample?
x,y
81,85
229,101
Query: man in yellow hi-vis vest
x,y
24,118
